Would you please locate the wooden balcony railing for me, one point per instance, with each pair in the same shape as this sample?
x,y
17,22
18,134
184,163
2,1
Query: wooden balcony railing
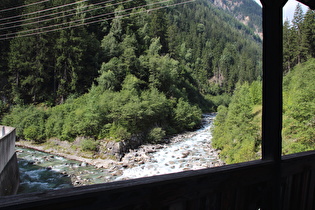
x,y
239,186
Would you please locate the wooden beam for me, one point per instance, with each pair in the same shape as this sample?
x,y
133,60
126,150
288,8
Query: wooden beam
x,y
272,79
272,96
237,186
309,3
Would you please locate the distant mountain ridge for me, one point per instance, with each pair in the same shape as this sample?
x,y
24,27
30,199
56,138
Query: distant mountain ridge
x,y
246,11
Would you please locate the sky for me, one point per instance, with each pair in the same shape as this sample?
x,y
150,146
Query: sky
x,y
289,8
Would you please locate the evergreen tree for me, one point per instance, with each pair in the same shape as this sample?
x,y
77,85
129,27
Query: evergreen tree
x,y
309,32
75,59
28,60
299,108
235,131
158,28
300,41
288,47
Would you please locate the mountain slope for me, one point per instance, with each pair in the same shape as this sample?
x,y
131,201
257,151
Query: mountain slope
x,y
146,74
246,11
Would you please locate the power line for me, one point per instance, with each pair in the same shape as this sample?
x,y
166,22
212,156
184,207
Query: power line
x,y
40,11
54,18
97,21
51,14
19,7
79,20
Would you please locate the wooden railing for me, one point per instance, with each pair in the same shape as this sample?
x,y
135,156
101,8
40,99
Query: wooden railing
x,y
239,186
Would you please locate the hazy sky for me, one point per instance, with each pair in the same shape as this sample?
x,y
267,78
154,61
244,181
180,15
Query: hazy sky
x,y
289,8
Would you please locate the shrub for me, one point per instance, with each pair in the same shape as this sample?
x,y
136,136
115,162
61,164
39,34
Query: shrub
x,y
187,117
119,132
89,145
31,132
29,122
156,135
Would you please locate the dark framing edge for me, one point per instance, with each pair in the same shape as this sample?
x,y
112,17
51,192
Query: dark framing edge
x,y
309,3
272,122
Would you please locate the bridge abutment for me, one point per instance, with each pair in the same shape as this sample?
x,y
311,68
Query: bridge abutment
x,y
9,170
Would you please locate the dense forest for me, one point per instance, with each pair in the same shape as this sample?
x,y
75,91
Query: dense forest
x,y
119,69
237,130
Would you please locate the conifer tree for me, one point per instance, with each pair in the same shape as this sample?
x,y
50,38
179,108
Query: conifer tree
x,y
309,31
288,46
71,50
300,48
6,28
28,59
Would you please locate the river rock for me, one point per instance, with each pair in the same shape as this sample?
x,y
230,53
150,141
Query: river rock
x,y
185,154
31,162
84,164
117,173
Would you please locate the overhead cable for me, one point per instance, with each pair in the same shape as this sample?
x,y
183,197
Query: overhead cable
x,y
79,20
19,7
44,10
60,12
96,21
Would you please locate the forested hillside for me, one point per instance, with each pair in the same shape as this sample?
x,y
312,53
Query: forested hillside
x,y
118,69
246,11
299,39
237,130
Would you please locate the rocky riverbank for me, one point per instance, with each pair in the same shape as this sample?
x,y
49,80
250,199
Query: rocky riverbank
x,y
65,149
188,151
130,159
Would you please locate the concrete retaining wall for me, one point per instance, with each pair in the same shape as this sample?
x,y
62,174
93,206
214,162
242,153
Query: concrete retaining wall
x,y
9,178
9,170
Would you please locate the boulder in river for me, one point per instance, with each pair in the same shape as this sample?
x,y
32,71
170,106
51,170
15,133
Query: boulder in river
x,y
185,154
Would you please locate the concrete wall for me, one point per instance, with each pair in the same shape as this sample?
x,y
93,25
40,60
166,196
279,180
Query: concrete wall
x,y
9,178
9,171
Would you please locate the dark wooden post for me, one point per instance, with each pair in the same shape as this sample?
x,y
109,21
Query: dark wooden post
x,y
272,79
272,95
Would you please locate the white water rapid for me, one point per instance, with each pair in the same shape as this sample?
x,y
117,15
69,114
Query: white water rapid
x,y
191,152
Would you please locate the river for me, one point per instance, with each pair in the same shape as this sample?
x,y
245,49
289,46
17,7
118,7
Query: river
x,y
41,171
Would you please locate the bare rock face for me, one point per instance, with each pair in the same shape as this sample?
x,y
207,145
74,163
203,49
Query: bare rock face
x,y
113,148
240,10
120,148
228,5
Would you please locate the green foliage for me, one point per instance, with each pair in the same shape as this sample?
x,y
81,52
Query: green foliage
x,y
28,121
298,39
156,135
256,93
50,67
299,108
235,131
153,72
3,108
89,145
187,117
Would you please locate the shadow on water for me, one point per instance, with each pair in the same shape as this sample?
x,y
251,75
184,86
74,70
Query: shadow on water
x,y
40,171
35,178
